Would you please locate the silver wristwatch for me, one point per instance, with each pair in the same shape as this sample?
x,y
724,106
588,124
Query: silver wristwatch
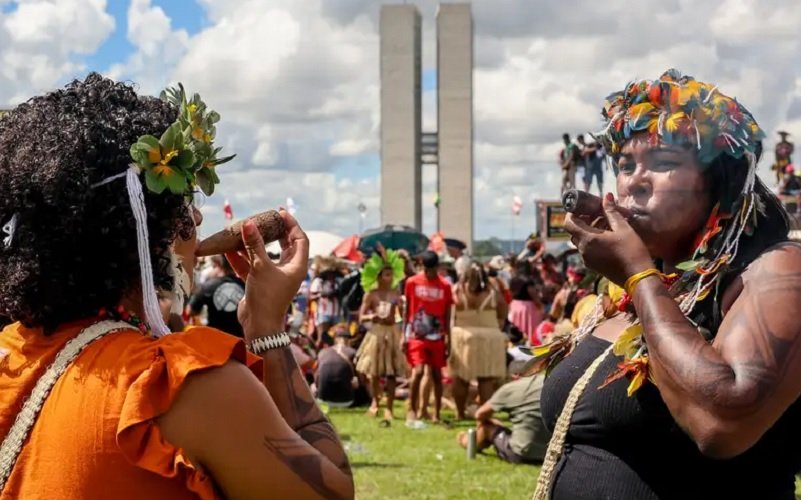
x,y
263,344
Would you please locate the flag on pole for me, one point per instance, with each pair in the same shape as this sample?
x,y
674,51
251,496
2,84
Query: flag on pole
x,y
290,206
228,211
517,205
437,199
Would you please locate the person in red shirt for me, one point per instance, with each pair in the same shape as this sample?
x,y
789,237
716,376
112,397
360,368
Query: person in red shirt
x,y
429,300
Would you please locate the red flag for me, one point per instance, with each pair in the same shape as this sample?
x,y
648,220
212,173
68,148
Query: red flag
x,y
517,205
228,211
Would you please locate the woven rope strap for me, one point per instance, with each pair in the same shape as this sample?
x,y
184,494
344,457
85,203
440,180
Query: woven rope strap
x,y
12,444
557,444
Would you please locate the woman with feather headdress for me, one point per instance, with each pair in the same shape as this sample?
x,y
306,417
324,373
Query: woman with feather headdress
x,y
380,354
690,387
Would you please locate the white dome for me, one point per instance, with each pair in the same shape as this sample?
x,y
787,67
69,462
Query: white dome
x,y
320,243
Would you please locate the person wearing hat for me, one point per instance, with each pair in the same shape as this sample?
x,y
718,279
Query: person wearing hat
x,y
429,300
783,153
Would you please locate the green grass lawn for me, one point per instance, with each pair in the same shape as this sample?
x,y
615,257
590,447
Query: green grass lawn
x,y
399,463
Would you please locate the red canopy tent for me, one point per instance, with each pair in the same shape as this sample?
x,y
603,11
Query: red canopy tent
x,y
348,249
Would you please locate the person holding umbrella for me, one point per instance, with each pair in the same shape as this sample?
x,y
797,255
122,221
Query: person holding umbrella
x,y
429,300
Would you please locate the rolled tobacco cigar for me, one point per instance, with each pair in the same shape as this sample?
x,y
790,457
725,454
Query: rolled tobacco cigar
x,y
270,224
587,204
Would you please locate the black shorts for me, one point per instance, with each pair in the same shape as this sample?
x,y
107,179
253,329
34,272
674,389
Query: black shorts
x,y
503,447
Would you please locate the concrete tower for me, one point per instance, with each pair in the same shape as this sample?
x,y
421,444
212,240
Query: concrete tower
x,y
455,120
401,116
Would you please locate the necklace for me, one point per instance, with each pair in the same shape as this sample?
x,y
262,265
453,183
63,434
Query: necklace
x,y
122,314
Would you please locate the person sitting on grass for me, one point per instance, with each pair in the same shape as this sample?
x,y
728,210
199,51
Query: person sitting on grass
x,y
336,377
527,440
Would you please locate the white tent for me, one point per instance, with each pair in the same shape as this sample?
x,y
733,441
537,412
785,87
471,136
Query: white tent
x,y
320,243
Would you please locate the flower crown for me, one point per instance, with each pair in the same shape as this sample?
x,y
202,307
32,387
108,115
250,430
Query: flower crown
x,y
184,157
677,109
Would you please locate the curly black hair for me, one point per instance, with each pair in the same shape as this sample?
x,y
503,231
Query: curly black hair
x,y
74,250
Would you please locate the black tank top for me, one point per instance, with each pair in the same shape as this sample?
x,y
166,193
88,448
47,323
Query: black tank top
x,y
631,448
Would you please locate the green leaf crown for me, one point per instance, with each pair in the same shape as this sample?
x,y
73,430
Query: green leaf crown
x,y
184,157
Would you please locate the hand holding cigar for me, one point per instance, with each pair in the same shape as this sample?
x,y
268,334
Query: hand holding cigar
x,y
270,224
584,204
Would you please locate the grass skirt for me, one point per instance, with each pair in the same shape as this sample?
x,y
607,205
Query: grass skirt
x,y
380,353
477,352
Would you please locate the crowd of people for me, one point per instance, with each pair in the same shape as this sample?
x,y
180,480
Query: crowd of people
x,y
670,372
428,329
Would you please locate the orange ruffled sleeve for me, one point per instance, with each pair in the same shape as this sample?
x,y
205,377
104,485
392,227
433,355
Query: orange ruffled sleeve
x,y
157,369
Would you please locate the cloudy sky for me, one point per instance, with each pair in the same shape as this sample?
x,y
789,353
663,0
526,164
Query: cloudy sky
x,y
297,83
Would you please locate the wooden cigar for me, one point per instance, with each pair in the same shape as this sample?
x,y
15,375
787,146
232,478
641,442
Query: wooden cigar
x,y
587,204
270,224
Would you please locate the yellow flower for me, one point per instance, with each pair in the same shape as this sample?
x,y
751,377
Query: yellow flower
x,y
192,108
198,133
163,170
154,155
168,157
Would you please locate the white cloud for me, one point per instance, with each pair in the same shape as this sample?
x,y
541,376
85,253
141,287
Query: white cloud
x,y
297,84
540,72
40,41
158,47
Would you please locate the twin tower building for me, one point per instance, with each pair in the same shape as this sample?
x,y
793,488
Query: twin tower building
x,y
405,147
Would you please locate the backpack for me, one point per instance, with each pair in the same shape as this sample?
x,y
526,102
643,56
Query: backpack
x,y
352,292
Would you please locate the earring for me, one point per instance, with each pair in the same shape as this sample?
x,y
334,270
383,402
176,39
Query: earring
x,y
181,284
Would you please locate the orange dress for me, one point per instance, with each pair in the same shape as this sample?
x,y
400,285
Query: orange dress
x,y
95,436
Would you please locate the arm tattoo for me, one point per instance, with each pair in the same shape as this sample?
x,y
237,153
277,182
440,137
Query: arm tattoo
x,y
289,390
309,467
323,435
698,368
296,404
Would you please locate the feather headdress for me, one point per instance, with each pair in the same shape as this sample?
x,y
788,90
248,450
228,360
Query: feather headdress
x,y
376,264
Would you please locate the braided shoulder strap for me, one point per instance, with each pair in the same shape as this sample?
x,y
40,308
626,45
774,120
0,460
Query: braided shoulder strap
x,y
26,418
557,444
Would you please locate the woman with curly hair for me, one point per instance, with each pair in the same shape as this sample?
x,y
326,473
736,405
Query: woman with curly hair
x,y
97,399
